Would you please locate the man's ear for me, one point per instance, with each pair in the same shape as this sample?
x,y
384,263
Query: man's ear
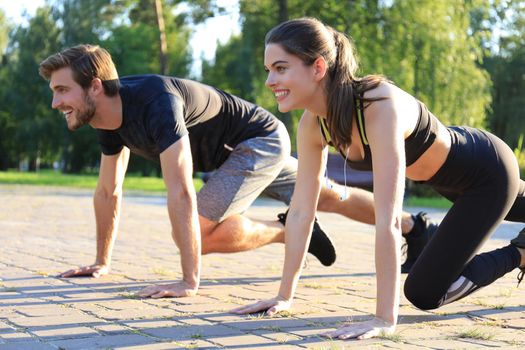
x,y
320,67
96,87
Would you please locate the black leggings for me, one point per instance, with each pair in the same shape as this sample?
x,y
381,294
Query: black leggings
x,y
481,177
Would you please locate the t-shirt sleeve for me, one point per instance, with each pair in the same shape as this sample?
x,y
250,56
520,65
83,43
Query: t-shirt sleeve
x,y
110,142
166,122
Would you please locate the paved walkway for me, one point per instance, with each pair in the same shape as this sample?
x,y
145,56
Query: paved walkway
x,y
44,231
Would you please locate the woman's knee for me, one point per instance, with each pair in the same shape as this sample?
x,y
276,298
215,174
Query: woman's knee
x,y
416,293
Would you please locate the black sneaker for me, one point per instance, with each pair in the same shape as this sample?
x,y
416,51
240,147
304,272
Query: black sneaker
x,y
321,245
417,239
519,242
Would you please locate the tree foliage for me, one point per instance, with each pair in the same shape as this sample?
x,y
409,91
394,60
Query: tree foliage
x,y
426,47
31,132
446,53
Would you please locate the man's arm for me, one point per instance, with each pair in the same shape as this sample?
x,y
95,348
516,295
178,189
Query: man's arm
x,y
107,201
177,169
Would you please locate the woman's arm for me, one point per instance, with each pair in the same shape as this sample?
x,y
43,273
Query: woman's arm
x,y
300,216
310,148
384,131
386,138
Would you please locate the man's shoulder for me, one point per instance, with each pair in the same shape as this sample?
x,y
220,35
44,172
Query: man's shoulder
x,y
144,82
143,89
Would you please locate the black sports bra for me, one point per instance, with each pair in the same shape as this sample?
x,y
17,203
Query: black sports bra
x,y
416,143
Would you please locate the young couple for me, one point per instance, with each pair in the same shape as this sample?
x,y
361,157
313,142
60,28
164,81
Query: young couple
x,y
187,126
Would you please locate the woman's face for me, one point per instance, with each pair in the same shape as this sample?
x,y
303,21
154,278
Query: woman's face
x,y
292,82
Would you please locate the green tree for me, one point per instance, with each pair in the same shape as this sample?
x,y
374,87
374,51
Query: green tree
x,y
37,127
83,22
506,64
7,123
426,47
135,46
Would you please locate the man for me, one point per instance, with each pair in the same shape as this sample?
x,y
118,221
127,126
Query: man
x,y
190,126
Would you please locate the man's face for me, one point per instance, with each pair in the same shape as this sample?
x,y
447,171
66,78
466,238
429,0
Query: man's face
x,y
70,99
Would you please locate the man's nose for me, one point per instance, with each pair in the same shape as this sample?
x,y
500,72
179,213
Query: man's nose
x,y
55,102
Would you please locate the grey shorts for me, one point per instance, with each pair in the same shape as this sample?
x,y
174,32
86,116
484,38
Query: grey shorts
x,y
255,165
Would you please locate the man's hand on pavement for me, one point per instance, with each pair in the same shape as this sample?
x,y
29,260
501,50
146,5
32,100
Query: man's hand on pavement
x,y
95,270
179,289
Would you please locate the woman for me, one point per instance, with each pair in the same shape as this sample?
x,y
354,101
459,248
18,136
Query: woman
x,y
377,126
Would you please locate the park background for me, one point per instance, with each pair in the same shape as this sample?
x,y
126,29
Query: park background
x,y
464,58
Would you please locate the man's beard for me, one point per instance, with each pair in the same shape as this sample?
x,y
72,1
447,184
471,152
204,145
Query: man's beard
x,y
84,115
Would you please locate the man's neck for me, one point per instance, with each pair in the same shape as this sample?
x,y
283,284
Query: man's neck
x,y
108,113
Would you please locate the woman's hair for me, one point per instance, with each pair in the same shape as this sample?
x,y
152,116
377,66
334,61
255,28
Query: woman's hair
x,y
309,39
87,62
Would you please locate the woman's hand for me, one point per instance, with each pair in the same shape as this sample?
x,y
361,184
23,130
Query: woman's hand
x,y
270,306
362,330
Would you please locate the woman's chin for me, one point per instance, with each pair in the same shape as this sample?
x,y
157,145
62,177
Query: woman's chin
x,y
283,108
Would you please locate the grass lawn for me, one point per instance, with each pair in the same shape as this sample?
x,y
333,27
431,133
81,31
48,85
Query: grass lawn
x,y
429,202
52,178
144,184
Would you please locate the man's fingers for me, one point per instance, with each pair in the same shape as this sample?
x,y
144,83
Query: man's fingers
x,y
368,335
94,271
253,308
238,310
69,273
156,293
160,294
271,311
146,292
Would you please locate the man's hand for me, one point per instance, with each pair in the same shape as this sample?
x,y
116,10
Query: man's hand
x,y
179,289
92,271
270,306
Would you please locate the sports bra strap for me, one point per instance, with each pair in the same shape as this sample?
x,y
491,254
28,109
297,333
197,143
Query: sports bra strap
x,y
324,130
361,121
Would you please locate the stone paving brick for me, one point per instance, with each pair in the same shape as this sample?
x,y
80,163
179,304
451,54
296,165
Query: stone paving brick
x,y
30,345
63,332
154,323
111,329
240,341
54,320
15,336
278,335
188,332
183,344
46,310
131,314
103,342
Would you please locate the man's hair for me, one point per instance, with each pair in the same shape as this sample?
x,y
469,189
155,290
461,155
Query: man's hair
x,y
87,62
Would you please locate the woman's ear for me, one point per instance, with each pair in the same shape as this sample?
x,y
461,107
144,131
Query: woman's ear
x,y
320,67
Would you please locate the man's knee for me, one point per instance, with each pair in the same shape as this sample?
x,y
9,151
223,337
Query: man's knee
x,y
207,227
329,200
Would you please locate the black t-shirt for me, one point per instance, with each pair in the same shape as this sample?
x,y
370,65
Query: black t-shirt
x,y
157,111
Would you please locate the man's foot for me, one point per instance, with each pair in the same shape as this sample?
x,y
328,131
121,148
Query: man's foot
x,y
321,245
417,239
519,242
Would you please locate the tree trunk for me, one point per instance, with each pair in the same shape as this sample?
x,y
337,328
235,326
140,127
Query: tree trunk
x,y
283,17
162,38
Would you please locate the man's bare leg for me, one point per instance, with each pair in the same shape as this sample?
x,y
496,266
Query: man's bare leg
x,y
358,206
238,233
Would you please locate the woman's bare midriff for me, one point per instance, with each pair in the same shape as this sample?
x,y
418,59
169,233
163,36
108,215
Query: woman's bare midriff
x,y
433,158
